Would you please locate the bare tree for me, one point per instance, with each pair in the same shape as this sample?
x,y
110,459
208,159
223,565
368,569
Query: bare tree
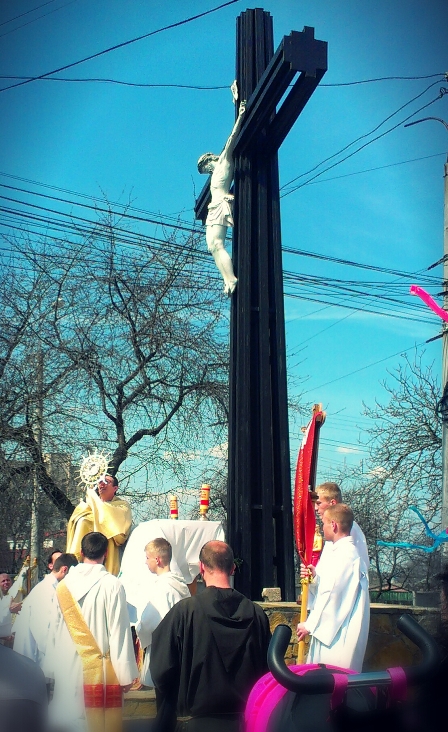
x,y
135,356
403,469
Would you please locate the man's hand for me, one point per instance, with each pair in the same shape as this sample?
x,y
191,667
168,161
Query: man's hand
x,y
307,572
302,632
15,607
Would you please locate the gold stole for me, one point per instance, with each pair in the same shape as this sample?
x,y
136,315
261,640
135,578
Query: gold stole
x,y
102,692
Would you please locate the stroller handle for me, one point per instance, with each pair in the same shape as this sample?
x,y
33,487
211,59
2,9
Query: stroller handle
x,y
310,684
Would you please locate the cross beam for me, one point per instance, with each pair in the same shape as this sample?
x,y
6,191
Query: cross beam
x,y
298,53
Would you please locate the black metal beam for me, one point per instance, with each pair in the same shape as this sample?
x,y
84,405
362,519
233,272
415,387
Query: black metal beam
x,y
297,53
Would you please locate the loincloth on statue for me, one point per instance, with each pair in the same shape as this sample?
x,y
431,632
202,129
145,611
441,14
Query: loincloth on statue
x,y
220,213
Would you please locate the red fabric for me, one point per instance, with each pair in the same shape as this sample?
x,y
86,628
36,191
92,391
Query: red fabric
x,y
113,696
96,696
304,516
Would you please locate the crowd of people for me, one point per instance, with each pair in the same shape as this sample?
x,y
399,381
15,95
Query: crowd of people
x,y
71,641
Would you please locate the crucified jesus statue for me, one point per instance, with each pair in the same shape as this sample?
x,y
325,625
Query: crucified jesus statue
x,y
219,216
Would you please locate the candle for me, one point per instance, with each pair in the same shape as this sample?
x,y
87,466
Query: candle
x,y
204,501
174,511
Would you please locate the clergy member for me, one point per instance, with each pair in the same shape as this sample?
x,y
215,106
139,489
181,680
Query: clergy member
x,y
208,651
101,511
339,621
89,650
166,591
329,494
7,608
32,625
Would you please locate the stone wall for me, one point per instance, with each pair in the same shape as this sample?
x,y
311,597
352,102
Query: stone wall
x,y
386,647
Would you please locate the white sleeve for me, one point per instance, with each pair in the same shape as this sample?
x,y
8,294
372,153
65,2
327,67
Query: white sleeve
x,y
120,637
51,655
338,590
5,617
24,641
147,624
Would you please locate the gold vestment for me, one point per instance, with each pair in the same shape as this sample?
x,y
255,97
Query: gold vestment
x,y
112,518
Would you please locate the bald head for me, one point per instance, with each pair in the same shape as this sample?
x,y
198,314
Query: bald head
x,y
217,556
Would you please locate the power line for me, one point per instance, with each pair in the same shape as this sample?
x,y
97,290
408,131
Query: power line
x,y
27,12
361,137
34,19
165,221
386,78
379,167
196,86
363,368
123,44
122,83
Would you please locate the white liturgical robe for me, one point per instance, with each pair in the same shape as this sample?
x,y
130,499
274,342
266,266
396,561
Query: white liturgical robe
x,y
339,620
166,591
5,616
102,600
32,625
359,541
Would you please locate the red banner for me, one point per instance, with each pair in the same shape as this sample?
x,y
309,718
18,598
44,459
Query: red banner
x,y
304,516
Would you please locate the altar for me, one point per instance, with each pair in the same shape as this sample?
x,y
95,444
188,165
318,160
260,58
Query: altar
x,y
186,538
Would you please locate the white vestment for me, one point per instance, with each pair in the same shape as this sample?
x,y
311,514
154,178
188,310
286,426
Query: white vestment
x,y
102,601
166,591
5,617
339,620
360,543
33,622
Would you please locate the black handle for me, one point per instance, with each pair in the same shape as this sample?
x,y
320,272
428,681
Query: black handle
x,y
310,684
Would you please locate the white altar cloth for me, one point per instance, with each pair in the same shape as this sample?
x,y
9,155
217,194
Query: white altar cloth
x,y
186,539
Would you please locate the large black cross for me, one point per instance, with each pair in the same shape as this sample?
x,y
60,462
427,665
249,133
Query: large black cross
x,y
259,510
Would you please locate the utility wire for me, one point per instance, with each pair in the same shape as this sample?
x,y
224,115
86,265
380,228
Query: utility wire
x,y
27,12
386,78
363,368
378,167
122,45
138,237
361,137
122,83
183,226
442,93
34,19
214,88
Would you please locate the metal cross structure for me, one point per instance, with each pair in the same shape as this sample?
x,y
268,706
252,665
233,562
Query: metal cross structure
x,y
259,510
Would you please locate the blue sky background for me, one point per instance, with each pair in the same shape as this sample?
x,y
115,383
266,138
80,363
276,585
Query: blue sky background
x,y
383,206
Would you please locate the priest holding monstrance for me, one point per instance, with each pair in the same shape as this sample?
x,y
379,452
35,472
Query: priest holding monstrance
x,y
101,510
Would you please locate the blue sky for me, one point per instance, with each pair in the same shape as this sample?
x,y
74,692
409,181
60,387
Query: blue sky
x,y
382,206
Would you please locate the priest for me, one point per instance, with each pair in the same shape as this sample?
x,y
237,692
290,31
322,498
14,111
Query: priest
x,y
32,625
101,511
339,621
89,651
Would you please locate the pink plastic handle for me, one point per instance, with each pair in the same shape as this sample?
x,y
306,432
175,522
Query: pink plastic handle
x,y
427,299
